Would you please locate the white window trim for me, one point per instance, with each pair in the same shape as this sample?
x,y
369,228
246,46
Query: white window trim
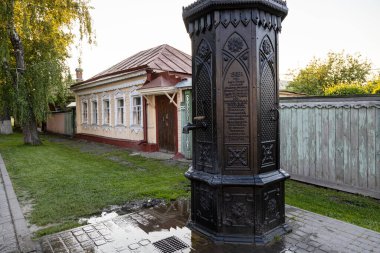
x,y
104,98
132,95
119,95
83,101
94,98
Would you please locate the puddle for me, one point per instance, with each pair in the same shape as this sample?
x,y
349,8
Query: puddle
x,y
114,210
96,219
152,229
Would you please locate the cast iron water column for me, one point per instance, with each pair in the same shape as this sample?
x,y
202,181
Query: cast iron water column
x,y
236,181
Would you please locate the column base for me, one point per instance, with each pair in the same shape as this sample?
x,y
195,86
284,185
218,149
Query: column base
x,y
235,209
258,240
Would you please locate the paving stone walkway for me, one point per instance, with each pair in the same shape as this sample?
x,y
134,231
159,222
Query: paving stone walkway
x,y
14,233
316,233
163,229
8,242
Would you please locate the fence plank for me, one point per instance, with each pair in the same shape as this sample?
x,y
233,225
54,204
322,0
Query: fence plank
x,y
332,144
371,132
305,141
346,145
318,143
284,119
299,142
377,149
283,136
354,143
289,140
339,155
325,144
363,147
312,139
294,142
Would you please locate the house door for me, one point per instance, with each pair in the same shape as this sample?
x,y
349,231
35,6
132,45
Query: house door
x,y
166,124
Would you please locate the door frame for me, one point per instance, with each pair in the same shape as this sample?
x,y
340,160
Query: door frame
x,y
175,122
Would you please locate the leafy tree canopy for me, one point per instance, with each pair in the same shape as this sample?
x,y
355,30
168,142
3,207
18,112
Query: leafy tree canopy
x,y
35,36
337,68
346,89
374,85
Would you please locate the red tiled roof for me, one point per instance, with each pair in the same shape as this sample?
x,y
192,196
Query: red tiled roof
x,y
164,57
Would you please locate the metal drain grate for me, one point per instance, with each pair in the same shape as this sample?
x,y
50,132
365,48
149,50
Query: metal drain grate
x,y
170,245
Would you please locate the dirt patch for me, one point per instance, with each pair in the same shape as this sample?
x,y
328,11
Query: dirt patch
x,y
84,145
351,202
95,148
120,161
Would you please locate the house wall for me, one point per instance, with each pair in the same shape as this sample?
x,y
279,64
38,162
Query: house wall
x,y
333,142
126,132
121,89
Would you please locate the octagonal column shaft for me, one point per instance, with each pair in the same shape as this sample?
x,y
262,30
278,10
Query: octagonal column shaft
x,y
237,183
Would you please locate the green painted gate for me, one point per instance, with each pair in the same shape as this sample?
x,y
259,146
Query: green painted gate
x,y
186,114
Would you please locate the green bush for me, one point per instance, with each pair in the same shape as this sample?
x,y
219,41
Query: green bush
x,y
344,89
336,68
376,90
374,86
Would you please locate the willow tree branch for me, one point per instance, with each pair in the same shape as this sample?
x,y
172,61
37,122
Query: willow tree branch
x,y
18,48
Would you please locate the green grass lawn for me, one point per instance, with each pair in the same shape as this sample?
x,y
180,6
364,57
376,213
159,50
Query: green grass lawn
x,y
66,182
355,209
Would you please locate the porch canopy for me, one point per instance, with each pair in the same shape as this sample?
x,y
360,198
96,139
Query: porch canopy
x,y
162,83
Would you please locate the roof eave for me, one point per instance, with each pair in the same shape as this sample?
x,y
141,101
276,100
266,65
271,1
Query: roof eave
x,y
93,79
108,80
157,90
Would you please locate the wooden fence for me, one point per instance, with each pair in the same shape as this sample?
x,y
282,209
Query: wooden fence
x,y
332,142
61,123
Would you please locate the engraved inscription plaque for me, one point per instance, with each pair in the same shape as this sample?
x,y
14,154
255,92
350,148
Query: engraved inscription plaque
x,y
236,117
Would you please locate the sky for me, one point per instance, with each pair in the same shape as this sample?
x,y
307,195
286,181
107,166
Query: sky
x,y
312,29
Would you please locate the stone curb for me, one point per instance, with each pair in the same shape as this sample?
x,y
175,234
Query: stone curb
x,y
23,235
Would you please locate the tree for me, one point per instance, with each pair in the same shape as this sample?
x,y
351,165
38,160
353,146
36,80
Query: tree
x,y
337,68
35,37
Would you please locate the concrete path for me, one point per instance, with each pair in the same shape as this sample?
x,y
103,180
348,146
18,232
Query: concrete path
x,y
14,233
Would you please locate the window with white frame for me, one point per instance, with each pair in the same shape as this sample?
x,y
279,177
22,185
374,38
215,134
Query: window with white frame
x,y
94,116
120,111
136,111
106,112
84,112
